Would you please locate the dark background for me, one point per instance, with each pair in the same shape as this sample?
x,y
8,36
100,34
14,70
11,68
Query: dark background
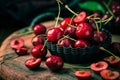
x,y
17,14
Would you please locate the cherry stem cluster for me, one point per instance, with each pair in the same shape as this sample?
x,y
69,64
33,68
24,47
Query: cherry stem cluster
x,y
103,49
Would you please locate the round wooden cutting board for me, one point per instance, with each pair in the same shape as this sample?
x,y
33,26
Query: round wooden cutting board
x,y
13,67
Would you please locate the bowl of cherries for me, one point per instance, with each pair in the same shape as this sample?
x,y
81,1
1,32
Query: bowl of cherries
x,y
76,40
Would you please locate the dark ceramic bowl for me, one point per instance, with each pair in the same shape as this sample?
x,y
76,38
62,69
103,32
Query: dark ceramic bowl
x,y
80,55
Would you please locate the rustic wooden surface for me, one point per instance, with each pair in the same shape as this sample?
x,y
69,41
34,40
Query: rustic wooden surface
x,y
14,69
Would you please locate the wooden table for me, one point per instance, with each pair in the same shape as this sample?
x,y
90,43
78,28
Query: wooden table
x,y
14,69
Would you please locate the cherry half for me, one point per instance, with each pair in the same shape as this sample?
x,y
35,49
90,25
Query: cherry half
x,y
17,43
83,74
99,66
33,63
109,75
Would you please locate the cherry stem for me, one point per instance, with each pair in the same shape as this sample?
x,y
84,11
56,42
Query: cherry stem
x,y
109,10
103,49
67,7
58,2
44,45
96,25
72,26
69,38
76,66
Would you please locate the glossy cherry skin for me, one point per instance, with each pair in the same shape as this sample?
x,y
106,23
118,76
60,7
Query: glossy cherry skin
x,y
109,75
38,51
81,17
70,31
33,63
83,74
81,44
17,43
39,29
64,23
99,37
66,42
21,51
54,34
83,31
99,66
37,40
54,62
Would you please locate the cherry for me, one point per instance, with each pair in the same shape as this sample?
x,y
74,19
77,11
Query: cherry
x,y
54,34
109,75
111,60
37,40
117,19
17,43
66,42
21,51
115,48
99,66
81,44
99,37
54,62
70,31
83,74
33,63
81,17
64,23
83,31
39,29
38,51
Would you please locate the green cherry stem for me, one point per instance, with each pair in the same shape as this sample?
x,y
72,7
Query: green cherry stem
x,y
96,25
109,10
67,7
44,45
58,13
103,49
76,66
69,38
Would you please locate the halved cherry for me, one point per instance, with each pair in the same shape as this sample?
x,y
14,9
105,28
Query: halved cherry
x,y
33,63
109,75
83,74
81,17
17,43
99,66
111,60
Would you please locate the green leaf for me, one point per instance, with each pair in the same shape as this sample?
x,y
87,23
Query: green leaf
x,y
92,6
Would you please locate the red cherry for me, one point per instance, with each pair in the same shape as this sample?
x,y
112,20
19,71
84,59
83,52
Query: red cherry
x,y
38,40
99,37
66,42
33,63
83,31
17,43
70,31
109,75
81,44
39,29
21,51
38,51
54,62
83,74
81,17
54,34
64,23
99,66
